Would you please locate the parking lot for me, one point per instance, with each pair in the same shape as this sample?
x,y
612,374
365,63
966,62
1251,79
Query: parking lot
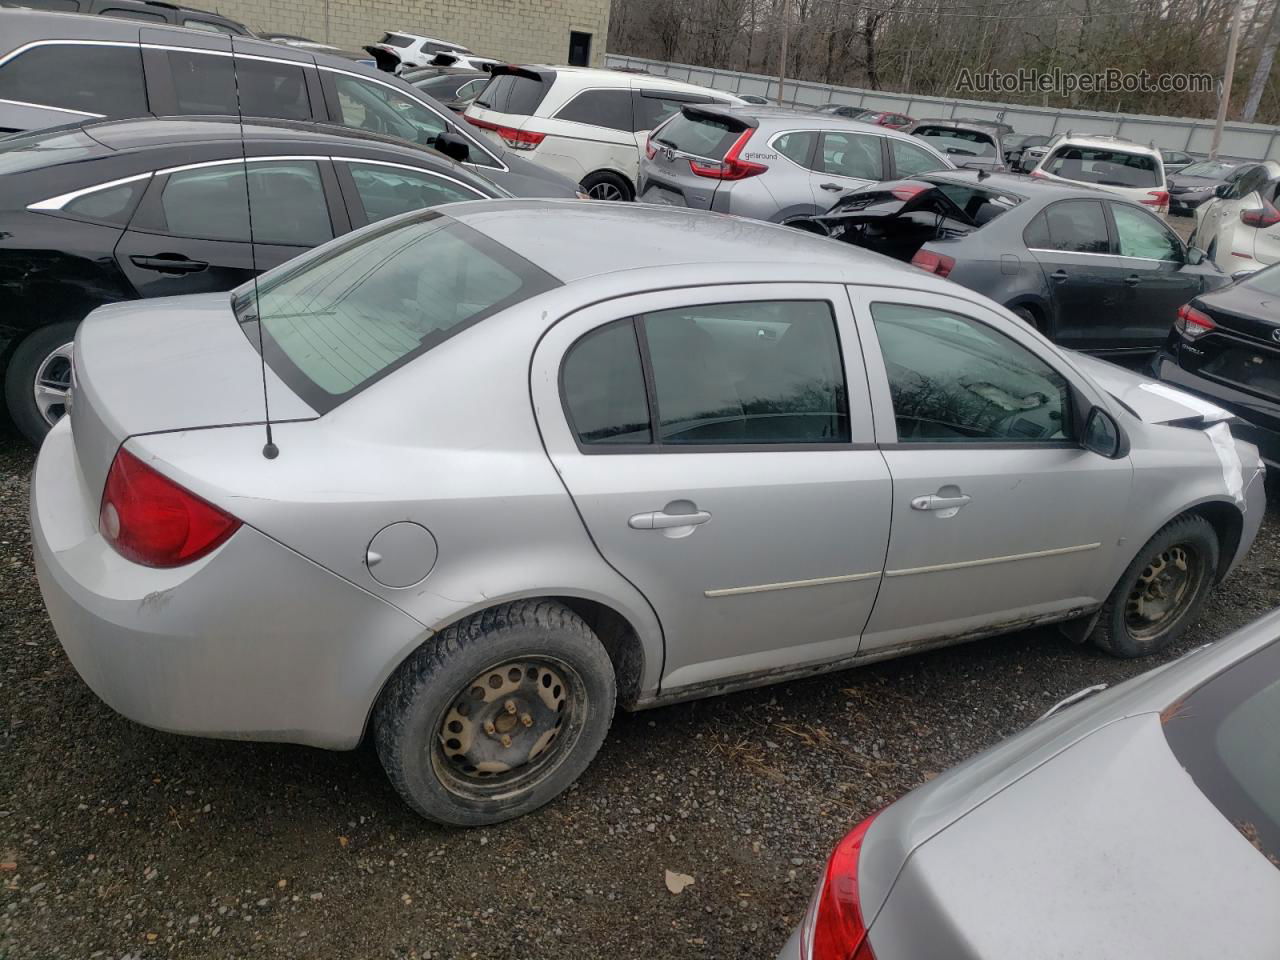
x,y
117,840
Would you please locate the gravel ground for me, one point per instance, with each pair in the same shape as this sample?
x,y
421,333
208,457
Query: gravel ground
x,y
118,841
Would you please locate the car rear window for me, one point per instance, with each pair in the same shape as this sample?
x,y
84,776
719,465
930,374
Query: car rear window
x,y
1105,167
1223,733
701,135
343,318
519,94
395,40
960,143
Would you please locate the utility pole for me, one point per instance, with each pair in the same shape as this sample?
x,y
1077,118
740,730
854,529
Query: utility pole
x,y
1227,74
782,56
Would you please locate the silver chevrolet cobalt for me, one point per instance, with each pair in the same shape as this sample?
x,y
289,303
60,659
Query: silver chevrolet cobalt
x,y
536,458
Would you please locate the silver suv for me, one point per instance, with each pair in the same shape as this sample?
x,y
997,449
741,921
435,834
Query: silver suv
x,y
772,164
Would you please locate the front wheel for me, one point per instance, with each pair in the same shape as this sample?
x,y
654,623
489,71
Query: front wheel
x,y
496,715
37,383
1162,590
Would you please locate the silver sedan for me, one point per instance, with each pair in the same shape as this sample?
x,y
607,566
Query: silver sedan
x,y
1143,823
538,457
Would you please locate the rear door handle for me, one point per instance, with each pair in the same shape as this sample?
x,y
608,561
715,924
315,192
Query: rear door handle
x,y
1133,280
831,186
169,264
935,502
1058,275
661,520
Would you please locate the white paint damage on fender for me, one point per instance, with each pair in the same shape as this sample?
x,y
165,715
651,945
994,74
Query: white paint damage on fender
x,y
1224,445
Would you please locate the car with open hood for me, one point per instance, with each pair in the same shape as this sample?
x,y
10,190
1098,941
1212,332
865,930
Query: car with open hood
x,y
509,475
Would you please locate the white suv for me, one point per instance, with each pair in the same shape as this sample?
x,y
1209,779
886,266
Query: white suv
x,y
590,125
398,51
1111,164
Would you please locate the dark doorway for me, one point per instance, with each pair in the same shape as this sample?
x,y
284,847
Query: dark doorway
x,y
579,49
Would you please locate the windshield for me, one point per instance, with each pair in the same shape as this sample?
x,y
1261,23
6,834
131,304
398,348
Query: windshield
x,y
1105,167
334,322
958,143
1213,169
1223,733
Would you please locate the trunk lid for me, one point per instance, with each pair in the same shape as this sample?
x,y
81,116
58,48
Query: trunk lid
x,y
693,136
155,366
1243,350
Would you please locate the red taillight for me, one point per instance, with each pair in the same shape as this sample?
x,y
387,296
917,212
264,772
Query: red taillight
x,y
1039,175
933,262
1267,216
151,520
833,929
513,138
906,191
1157,198
731,167
1193,323
650,150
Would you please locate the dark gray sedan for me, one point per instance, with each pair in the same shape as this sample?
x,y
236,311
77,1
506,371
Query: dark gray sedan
x,y
1090,270
1143,823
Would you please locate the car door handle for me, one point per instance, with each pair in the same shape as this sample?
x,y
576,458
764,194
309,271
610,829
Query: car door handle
x,y
831,186
935,502
169,264
1058,275
1133,280
661,520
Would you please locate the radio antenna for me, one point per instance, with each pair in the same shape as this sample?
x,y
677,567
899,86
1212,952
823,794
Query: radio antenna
x,y
269,449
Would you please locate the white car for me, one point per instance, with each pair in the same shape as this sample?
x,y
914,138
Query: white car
x,y
457,60
1240,227
1109,163
398,51
590,125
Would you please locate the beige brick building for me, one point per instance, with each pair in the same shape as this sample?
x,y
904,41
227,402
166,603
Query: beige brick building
x,y
522,31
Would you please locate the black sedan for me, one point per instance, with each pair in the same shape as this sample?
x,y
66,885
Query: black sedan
x,y
1226,346
1200,182
118,210
1090,270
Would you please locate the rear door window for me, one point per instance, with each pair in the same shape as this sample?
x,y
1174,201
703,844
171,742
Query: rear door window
x,y
386,191
797,146
357,310
603,384
1105,167
599,108
1075,226
1223,734
109,205
87,78
851,155
765,372
204,84
513,93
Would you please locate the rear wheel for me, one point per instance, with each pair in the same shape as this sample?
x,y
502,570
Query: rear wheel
x,y
37,382
496,715
603,185
1162,590
1029,317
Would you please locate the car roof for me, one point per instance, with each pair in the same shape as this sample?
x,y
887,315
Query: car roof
x,y
626,79
562,237
1030,188
63,17
1108,143
781,115
958,124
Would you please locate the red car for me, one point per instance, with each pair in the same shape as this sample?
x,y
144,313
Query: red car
x,y
897,121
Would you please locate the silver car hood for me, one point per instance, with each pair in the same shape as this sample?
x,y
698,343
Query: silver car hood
x,y
1148,398
172,363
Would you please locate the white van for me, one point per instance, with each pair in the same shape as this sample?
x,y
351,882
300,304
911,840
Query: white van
x,y
590,125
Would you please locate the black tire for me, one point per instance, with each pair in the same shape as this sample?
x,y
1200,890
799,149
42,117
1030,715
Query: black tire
x,y
421,705
1026,316
20,377
603,185
1118,632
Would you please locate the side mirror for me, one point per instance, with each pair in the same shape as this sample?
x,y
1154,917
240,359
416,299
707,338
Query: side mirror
x,y
1195,256
453,146
1222,191
1103,436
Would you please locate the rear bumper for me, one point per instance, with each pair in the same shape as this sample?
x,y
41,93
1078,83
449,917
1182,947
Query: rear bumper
x,y
252,642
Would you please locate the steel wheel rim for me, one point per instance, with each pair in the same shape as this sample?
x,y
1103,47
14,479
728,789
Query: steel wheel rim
x,y
604,191
1163,591
508,728
52,388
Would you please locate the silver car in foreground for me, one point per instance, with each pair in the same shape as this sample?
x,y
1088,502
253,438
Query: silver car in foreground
x,y
539,456
1142,823
770,163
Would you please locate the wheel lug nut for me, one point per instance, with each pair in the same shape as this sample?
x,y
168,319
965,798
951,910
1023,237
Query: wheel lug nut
x,y
526,719
489,728
510,706
506,739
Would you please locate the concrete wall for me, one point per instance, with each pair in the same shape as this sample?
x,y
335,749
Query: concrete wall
x,y
1248,141
523,31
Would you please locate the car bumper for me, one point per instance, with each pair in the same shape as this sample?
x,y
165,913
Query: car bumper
x,y
252,642
1185,206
